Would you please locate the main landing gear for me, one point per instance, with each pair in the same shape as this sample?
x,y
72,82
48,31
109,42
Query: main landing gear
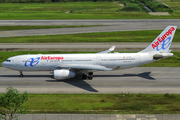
x,y
88,76
21,74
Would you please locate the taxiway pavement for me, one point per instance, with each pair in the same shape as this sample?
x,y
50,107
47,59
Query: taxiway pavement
x,y
100,116
154,80
121,46
110,25
88,22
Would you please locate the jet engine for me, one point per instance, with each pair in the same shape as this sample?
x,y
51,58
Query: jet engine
x,y
63,74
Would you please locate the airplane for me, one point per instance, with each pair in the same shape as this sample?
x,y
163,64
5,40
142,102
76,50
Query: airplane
x,y
65,66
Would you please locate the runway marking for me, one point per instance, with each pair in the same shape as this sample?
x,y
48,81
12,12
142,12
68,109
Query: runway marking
x,y
7,33
117,116
152,116
133,116
138,118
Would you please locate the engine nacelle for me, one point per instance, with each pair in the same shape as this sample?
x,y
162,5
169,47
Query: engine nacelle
x,y
63,74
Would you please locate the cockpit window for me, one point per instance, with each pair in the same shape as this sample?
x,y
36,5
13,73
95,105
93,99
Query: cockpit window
x,y
8,60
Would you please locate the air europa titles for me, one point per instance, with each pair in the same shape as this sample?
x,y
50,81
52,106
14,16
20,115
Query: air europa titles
x,y
161,39
51,58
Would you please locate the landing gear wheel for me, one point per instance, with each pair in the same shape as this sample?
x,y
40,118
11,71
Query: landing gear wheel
x,y
21,74
84,77
90,77
90,73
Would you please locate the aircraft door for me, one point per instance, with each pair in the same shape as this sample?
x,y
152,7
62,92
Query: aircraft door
x,y
137,58
60,62
17,61
98,60
43,62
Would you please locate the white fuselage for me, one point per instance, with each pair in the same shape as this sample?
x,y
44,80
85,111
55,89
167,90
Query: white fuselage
x,y
49,62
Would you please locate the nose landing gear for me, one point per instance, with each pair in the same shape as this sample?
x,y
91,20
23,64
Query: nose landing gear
x,y
21,74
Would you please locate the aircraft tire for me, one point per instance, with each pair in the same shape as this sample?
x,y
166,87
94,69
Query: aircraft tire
x,y
84,77
21,75
90,77
90,73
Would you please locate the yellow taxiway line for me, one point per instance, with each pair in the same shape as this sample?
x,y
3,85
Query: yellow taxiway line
x,y
7,33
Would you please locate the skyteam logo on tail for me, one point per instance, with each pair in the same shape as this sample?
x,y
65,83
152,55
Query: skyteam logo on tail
x,y
166,42
32,62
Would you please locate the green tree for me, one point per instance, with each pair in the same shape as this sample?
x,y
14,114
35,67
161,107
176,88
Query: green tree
x,y
11,102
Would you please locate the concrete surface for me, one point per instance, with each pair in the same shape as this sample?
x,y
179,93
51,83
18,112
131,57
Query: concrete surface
x,y
155,80
120,46
112,25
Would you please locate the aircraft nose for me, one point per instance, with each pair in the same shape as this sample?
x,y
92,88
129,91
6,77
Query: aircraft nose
x,y
3,64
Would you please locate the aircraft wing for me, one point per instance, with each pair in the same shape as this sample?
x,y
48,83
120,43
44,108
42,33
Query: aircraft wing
x,y
84,67
107,51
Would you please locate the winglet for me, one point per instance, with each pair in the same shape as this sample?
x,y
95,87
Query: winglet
x,y
112,48
107,51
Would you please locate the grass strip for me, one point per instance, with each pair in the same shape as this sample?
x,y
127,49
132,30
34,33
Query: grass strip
x,y
105,103
120,36
78,10
5,28
168,62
